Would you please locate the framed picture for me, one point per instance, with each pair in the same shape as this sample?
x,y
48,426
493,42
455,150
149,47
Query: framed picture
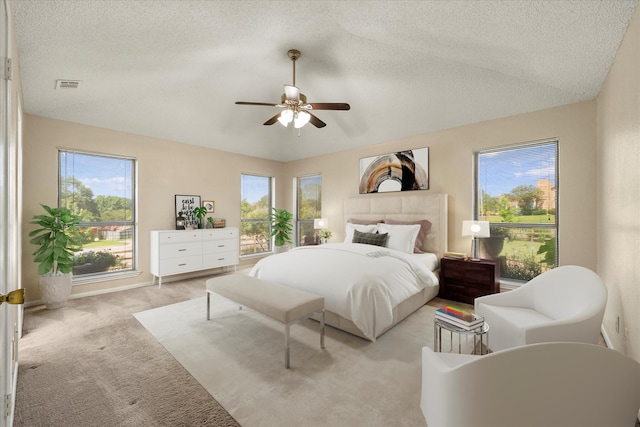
x,y
185,204
400,171
209,205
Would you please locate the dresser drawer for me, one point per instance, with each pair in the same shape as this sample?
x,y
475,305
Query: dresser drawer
x,y
220,259
180,236
220,233
477,273
177,250
215,246
180,265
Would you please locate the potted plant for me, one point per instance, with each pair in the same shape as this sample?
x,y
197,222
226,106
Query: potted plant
x,y
325,235
281,228
200,212
58,239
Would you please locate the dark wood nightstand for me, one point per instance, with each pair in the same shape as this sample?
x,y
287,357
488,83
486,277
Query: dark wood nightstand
x,y
465,280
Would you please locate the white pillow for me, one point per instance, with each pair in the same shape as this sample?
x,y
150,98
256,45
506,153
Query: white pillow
x,y
401,237
371,228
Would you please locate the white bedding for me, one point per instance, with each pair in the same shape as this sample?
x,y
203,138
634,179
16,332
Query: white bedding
x,y
362,283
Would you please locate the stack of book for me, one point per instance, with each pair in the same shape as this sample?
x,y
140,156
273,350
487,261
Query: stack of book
x,y
459,318
455,255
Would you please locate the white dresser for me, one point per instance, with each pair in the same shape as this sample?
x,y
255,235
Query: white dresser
x,y
184,251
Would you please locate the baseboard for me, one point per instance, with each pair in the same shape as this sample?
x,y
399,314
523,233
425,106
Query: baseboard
x,y
607,341
92,293
165,280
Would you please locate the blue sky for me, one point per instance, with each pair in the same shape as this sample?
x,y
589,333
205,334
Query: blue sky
x,y
501,172
105,176
254,187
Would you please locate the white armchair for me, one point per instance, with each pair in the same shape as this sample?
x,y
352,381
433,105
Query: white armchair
x,y
549,384
563,304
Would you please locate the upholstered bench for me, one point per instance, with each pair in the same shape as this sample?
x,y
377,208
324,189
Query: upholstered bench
x,y
278,302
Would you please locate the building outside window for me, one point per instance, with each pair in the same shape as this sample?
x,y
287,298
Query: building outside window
x,y
308,207
100,189
256,204
516,190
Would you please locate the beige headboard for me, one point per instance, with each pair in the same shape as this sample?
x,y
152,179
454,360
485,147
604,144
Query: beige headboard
x,y
432,207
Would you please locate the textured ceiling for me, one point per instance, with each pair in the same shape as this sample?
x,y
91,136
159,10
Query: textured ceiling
x,y
173,69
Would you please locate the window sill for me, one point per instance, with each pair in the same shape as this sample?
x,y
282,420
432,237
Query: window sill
x,y
105,277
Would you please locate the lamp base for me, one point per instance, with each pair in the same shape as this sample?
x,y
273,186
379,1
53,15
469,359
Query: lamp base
x,y
474,250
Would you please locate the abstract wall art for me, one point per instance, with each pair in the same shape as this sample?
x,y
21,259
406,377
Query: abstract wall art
x,y
400,171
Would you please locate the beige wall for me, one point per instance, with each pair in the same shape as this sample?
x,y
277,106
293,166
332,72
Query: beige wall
x,y
164,169
167,168
618,208
450,171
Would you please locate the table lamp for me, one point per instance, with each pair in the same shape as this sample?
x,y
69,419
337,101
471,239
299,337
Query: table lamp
x,y
475,229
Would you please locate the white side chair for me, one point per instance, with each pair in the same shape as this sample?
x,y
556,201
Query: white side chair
x,y
549,384
566,303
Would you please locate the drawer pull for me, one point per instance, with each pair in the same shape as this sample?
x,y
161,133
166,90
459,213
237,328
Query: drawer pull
x,y
181,250
221,246
182,265
220,259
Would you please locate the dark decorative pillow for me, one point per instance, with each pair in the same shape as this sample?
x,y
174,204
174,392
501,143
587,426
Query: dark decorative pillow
x,y
424,227
370,238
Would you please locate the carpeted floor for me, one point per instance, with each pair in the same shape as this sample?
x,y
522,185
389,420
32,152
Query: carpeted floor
x,y
93,364
238,356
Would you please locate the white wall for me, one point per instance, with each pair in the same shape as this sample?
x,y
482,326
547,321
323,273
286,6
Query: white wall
x,y
618,207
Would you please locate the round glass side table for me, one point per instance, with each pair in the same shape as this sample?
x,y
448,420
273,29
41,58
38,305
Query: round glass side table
x,y
478,334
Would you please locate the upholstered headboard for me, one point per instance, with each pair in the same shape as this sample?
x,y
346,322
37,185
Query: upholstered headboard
x,y
432,207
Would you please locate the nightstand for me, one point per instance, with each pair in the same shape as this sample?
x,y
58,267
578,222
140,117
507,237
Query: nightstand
x,y
465,280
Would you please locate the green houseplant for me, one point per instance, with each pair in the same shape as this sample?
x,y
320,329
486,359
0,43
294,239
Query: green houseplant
x,y
57,239
281,228
200,212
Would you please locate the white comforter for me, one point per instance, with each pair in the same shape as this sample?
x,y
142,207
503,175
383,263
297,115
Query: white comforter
x,y
362,283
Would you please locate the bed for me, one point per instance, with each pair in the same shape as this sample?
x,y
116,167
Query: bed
x,y
370,288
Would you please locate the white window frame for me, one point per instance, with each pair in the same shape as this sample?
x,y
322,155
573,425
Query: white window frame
x,y
119,274
507,225
270,210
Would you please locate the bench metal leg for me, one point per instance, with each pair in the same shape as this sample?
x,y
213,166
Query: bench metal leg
x,y
286,346
322,330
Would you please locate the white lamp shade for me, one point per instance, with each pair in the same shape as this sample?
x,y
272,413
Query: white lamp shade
x,y
285,117
475,228
320,223
301,119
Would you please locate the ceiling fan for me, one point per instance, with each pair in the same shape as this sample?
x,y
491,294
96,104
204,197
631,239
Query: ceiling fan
x,y
294,103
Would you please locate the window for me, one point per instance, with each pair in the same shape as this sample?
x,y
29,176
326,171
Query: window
x,y
255,207
100,189
516,190
309,207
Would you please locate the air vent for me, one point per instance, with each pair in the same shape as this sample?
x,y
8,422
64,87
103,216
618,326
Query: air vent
x,y
67,84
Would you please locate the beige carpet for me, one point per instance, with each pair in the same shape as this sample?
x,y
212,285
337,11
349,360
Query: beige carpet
x,y
238,357
93,364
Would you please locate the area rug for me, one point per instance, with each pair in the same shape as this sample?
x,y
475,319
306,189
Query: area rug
x,y
238,357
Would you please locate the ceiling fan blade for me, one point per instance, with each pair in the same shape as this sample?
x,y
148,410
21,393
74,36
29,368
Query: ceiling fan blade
x,y
316,121
272,120
330,106
266,104
292,93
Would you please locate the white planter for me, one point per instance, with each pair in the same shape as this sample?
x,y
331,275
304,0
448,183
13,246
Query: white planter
x,y
55,290
280,249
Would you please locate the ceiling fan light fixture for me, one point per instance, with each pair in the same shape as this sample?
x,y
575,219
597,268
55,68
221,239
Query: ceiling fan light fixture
x,y
285,117
301,119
